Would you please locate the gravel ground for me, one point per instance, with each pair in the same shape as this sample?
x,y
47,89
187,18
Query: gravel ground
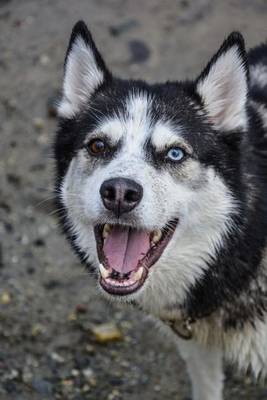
x,y
49,310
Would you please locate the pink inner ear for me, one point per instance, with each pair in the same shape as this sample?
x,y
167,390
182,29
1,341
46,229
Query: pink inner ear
x,y
125,247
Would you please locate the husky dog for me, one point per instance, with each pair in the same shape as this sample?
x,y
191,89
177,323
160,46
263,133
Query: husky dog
x,y
164,195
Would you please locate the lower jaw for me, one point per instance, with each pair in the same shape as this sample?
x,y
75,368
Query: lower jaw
x,y
117,290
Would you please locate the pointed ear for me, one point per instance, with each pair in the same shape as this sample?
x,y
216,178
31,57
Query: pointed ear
x,y
223,85
85,71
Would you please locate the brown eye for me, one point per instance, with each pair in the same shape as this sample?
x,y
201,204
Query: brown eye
x,y
97,147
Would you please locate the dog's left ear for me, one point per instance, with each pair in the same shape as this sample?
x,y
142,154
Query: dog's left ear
x,y
223,85
85,71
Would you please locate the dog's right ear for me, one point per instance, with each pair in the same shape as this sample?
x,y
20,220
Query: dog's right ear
x,y
85,72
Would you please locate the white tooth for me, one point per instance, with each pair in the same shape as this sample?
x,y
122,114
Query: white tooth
x,y
156,236
103,271
138,274
106,230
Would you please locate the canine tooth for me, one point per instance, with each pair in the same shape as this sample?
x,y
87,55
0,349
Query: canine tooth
x,y
156,236
106,230
103,271
138,274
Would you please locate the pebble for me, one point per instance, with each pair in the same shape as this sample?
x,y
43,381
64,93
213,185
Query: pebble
x,y
90,349
42,386
157,388
5,297
139,50
37,329
57,358
87,373
86,388
75,373
80,309
105,333
38,123
72,317
27,376
114,394
44,60
67,385
13,374
116,30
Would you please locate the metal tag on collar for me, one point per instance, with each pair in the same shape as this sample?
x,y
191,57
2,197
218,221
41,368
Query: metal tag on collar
x,y
182,328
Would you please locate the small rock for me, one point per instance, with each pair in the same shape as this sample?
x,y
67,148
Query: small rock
x,y
67,387
44,60
37,329
92,381
106,333
13,374
157,388
57,358
86,388
75,373
51,284
90,349
72,317
10,105
27,376
139,51
14,179
39,242
80,309
10,387
42,387
25,240
88,373
38,123
114,395
116,30
5,297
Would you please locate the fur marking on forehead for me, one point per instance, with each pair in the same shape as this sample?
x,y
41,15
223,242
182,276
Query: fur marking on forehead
x,y
132,125
164,135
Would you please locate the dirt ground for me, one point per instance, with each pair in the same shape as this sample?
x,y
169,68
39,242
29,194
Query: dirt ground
x,y
48,304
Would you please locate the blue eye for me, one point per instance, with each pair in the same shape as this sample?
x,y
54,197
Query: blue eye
x,y
175,154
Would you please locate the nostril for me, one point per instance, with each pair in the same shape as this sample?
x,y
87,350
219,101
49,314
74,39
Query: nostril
x,y
132,196
109,193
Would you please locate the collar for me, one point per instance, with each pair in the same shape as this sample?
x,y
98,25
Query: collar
x,y
181,327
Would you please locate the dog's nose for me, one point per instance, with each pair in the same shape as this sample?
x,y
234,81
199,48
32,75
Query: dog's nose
x,y
121,195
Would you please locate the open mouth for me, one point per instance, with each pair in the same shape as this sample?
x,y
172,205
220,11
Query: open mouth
x,y
126,254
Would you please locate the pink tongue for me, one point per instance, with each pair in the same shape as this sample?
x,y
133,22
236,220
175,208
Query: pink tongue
x,y
124,247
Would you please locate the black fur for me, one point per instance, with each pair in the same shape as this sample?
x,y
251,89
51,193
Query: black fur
x,y
239,157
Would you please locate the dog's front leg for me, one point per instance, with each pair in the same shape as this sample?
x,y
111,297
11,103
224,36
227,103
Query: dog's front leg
x,y
205,369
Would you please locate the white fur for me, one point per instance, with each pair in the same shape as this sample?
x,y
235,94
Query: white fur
x,y
203,210
204,365
135,128
82,77
203,204
248,348
258,75
164,135
244,347
262,111
224,91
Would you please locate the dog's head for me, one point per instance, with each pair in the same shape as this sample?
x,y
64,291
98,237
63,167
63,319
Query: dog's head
x,y
148,175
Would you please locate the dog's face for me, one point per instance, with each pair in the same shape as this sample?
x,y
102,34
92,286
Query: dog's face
x,y
148,175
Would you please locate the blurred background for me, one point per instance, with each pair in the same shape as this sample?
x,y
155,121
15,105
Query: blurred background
x,y
54,339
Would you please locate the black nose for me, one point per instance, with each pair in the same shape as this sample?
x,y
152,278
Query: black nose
x,y
121,195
